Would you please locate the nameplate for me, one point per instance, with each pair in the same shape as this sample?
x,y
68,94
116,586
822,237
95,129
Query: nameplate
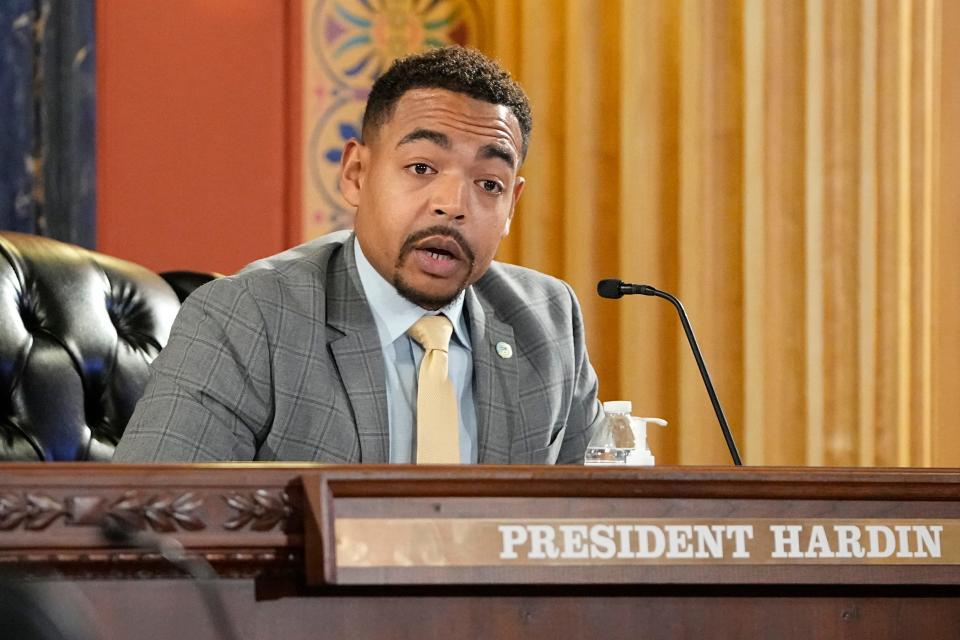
x,y
385,543
665,526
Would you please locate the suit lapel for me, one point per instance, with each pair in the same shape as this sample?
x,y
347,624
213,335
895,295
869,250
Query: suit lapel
x,y
496,382
358,356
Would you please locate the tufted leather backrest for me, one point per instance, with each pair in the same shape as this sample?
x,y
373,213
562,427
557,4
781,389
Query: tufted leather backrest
x,y
78,330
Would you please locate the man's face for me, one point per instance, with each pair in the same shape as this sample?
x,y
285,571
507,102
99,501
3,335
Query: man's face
x,y
435,189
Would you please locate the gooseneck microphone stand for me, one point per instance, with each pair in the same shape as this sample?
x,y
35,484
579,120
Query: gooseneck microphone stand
x,y
613,288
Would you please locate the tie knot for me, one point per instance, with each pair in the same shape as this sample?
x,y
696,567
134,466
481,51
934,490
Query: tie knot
x,y
432,332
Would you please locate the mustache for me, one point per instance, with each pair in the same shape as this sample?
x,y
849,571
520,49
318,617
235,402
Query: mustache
x,y
436,230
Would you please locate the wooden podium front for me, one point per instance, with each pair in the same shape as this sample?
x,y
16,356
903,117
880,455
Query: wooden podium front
x,y
308,551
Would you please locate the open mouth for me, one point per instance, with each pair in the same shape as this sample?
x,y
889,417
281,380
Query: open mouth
x,y
438,254
441,248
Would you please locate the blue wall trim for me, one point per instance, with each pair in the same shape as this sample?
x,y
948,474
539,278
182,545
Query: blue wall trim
x,y
17,202
48,118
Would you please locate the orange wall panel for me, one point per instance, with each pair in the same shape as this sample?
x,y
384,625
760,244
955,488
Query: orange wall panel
x,y
192,125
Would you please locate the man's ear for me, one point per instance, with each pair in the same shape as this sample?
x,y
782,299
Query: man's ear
x,y
353,169
517,190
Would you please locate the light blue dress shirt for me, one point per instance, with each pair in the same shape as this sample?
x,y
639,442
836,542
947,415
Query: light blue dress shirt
x,y
394,315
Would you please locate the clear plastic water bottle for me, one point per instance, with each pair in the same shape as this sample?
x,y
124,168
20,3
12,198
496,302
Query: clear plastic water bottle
x,y
613,441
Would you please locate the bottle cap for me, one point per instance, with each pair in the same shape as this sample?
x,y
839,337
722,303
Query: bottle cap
x,y
617,406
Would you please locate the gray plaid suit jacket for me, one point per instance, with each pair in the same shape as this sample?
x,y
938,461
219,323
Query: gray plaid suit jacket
x,y
283,362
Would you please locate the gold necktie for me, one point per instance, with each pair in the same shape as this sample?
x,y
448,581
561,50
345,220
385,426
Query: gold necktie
x,y
438,423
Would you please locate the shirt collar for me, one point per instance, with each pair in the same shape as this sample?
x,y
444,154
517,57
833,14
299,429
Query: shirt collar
x,y
394,314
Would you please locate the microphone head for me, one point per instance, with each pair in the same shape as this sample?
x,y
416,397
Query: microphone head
x,y
610,288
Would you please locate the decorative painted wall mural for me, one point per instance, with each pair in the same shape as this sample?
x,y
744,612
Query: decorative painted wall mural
x,y
347,45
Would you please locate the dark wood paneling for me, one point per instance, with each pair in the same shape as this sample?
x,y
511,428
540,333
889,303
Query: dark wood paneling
x,y
247,521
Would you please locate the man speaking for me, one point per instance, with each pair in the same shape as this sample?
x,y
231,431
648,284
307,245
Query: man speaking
x,y
402,341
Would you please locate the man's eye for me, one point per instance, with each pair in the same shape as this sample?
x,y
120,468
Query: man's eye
x,y
491,186
420,168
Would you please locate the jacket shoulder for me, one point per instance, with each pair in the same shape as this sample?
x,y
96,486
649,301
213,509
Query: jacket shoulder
x,y
296,276
510,290
303,260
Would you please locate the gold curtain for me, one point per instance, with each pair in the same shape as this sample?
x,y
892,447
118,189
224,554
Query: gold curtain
x,y
784,167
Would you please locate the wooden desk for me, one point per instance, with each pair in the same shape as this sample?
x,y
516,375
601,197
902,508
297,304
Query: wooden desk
x,y
257,524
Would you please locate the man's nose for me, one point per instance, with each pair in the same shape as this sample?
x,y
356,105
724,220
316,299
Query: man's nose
x,y
449,197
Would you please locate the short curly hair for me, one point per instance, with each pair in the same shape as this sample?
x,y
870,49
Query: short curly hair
x,y
453,68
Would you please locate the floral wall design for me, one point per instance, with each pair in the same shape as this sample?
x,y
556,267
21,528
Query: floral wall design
x,y
347,45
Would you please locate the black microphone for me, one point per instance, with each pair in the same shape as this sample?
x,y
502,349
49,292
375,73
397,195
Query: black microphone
x,y
119,532
612,288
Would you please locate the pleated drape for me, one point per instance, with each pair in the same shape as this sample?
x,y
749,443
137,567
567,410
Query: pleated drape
x,y
777,164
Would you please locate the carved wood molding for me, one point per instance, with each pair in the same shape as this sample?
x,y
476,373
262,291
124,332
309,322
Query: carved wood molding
x,y
33,511
141,564
53,518
261,509
241,530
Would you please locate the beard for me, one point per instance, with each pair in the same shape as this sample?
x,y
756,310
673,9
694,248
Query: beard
x,y
423,298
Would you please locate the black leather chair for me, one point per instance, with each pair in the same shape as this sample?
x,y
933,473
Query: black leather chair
x,y
184,282
78,330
